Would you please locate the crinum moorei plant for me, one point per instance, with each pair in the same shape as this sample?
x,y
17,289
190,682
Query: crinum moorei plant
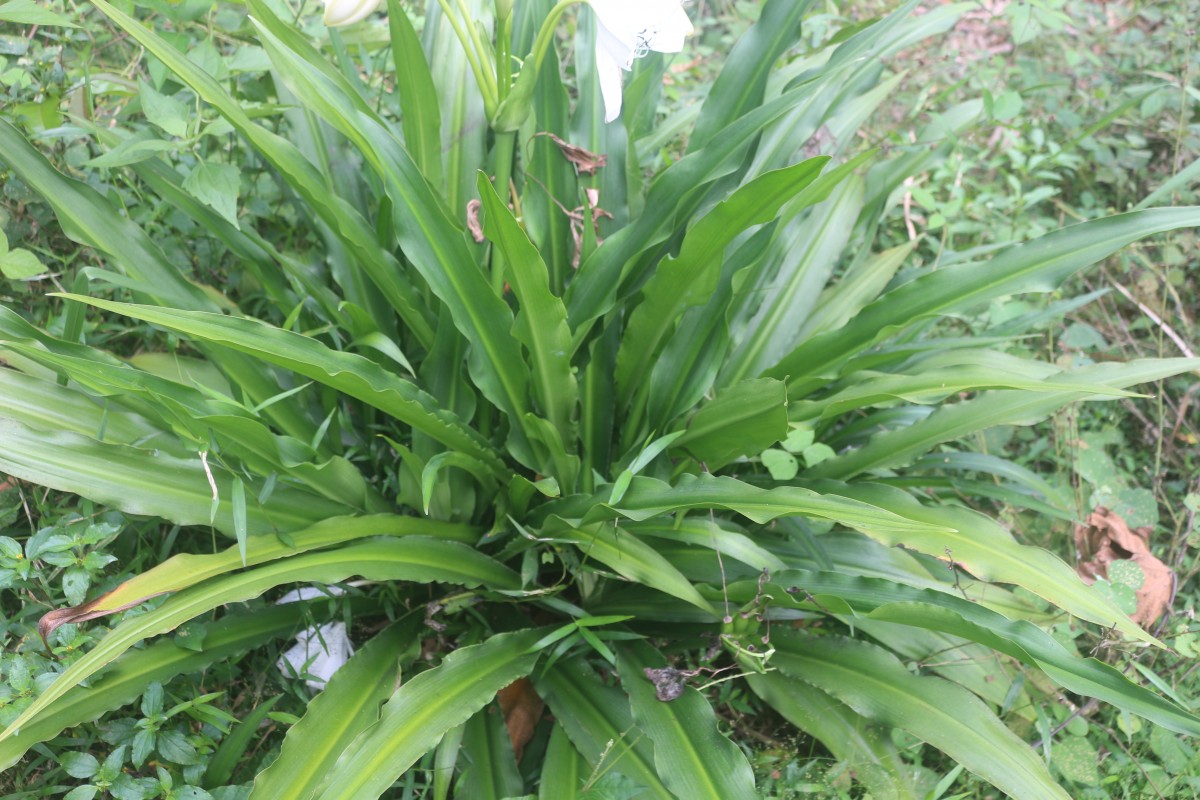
x,y
606,408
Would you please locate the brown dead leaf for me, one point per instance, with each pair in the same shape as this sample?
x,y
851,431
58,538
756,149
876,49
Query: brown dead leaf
x,y
586,162
522,709
93,609
473,206
577,216
172,575
686,65
1105,537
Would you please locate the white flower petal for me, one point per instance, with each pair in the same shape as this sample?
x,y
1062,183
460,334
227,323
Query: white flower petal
x,y
629,29
310,593
620,52
339,13
325,650
609,73
645,24
670,33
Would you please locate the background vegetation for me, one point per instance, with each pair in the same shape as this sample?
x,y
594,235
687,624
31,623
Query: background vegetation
x,y
1088,109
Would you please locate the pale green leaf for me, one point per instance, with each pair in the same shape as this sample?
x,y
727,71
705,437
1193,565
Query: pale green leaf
x,y
20,265
27,12
876,685
163,111
216,185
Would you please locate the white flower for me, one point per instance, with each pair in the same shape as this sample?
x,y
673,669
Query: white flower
x,y
347,12
629,29
323,649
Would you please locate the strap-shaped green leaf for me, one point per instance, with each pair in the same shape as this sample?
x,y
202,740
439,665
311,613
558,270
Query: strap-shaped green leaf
x,y
343,220
492,773
598,722
947,612
863,746
564,771
713,534
348,705
633,559
698,349
930,387
188,569
744,419
783,289
355,375
90,219
693,757
689,278
649,497
1036,266
419,112
876,685
430,239
743,78
140,481
411,559
1001,407
595,288
551,183
227,755
987,550
541,323
48,405
424,708
200,421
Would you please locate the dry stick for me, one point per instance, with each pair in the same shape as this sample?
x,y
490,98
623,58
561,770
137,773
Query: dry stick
x,y
1188,526
1181,416
1129,755
1183,347
1085,710
1155,318
712,520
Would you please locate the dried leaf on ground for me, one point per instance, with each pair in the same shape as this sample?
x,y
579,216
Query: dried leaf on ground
x,y
1104,538
522,708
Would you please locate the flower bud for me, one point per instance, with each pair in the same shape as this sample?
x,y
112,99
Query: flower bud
x,y
347,12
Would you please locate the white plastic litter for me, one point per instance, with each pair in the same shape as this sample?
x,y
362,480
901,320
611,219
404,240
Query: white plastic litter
x,y
323,649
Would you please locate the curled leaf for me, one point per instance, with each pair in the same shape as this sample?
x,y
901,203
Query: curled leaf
x,y
585,161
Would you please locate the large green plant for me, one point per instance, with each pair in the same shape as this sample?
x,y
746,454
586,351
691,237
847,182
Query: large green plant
x,y
618,408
